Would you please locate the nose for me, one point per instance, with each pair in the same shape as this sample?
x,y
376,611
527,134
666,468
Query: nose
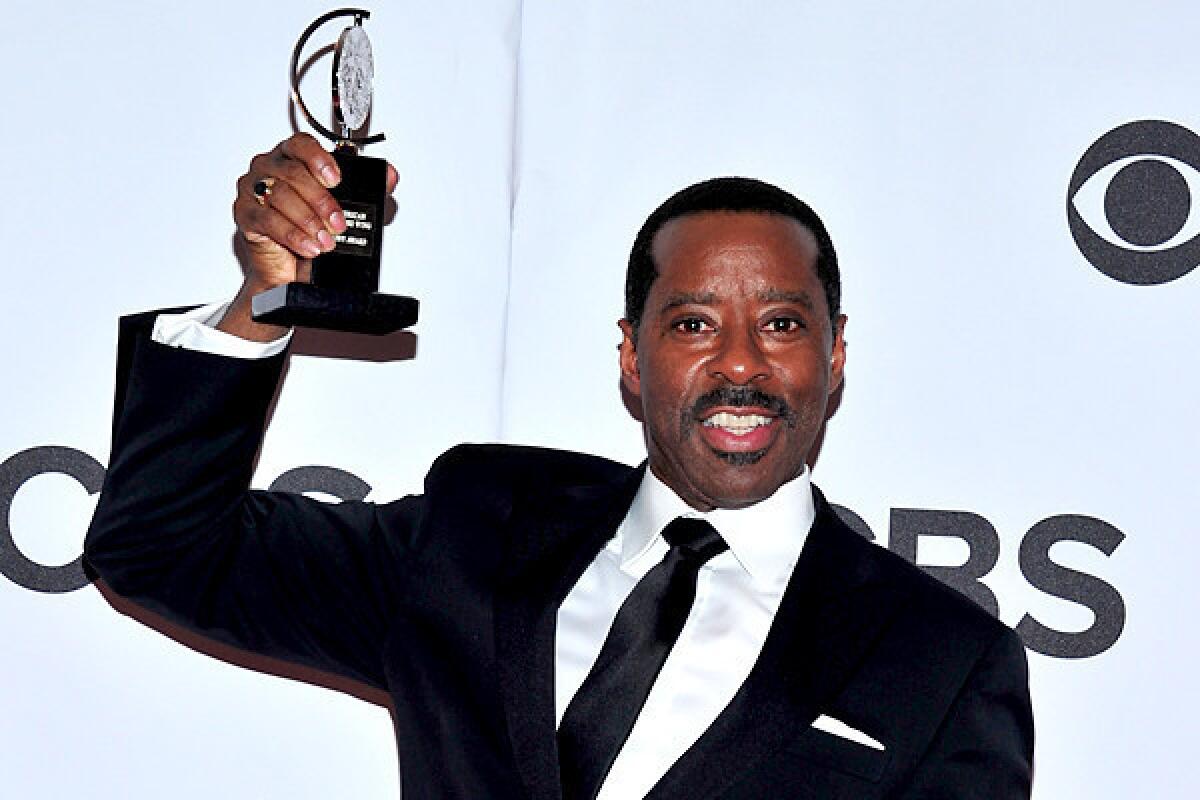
x,y
739,359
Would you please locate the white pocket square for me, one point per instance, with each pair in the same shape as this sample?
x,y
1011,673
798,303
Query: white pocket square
x,y
836,727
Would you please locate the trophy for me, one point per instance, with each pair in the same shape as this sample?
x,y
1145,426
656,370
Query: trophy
x,y
343,293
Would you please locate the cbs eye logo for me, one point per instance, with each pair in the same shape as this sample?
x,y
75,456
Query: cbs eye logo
x,y
1129,203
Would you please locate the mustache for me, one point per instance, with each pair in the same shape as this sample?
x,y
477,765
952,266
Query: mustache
x,y
743,396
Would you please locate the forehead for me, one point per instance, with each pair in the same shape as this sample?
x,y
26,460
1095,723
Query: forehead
x,y
731,248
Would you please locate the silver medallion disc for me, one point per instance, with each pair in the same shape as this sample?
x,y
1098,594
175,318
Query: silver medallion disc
x,y
353,69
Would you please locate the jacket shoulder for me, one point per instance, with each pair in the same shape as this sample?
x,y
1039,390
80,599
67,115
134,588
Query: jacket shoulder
x,y
499,469
928,596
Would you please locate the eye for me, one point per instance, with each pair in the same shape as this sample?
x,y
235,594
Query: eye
x,y
1130,202
690,325
784,324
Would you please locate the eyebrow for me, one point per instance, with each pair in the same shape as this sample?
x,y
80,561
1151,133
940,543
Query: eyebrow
x,y
780,296
687,299
678,299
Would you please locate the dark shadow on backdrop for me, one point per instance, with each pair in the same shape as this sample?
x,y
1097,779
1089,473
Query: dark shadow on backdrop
x,y
240,658
398,346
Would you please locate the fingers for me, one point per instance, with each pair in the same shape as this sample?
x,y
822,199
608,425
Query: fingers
x,y
308,171
285,219
299,213
298,219
306,150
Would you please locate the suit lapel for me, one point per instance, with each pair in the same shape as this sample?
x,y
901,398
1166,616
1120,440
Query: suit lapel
x,y
552,540
836,604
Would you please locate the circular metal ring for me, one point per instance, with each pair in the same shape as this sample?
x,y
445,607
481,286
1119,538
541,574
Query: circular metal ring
x,y
359,14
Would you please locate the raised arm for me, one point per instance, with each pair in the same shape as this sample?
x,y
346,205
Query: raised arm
x,y
177,529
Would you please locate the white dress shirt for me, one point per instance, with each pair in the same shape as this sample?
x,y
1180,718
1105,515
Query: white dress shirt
x,y
737,593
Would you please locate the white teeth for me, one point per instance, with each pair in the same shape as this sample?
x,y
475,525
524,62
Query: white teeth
x,y
737,424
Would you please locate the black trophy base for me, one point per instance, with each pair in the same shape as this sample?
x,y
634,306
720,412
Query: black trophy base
x,y
307,306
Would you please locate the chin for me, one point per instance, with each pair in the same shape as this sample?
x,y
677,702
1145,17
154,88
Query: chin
x,y
739,479
741,459
740,493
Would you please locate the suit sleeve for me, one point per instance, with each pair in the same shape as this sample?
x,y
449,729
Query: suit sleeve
x,y
984,748
178,531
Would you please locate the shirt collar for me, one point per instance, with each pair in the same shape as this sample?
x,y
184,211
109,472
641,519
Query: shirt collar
x,y
765,538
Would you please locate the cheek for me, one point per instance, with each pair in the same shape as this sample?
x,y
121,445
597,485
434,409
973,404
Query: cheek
x,y
665,405
673,393
808,396
808,377
666,375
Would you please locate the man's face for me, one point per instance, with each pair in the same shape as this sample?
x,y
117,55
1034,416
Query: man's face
x,y
735,359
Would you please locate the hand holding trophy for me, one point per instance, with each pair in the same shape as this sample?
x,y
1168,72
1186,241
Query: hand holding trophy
x,y
343,291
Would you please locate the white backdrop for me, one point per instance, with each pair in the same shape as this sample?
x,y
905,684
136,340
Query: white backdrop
x,y
992,369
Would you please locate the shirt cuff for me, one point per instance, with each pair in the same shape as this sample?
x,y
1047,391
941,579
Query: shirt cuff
x,y
196,330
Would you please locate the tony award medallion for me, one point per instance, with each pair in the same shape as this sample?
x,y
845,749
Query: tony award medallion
x,y
343,294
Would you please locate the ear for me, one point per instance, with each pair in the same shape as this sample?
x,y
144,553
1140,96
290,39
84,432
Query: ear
x,y
631,378
837,357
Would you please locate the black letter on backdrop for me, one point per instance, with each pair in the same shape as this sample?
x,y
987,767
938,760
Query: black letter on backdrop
x,y
983,548
854,521
328,480
1077,587
14,472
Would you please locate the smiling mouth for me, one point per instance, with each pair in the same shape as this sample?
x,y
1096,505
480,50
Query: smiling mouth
x,y
737,424
738,437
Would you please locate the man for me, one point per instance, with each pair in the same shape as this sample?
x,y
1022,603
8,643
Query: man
x,y
552,624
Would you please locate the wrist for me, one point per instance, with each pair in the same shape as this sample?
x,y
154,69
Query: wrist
x,y
239,318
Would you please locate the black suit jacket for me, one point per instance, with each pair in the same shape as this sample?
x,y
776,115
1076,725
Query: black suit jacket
x,y
448,601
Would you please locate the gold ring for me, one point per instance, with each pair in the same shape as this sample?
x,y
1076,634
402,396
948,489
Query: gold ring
x,y
262,190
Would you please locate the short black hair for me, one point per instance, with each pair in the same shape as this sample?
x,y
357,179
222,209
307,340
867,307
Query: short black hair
x,y
727,194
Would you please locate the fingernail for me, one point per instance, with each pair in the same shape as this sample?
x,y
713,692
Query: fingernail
x,y
325,239
338,221
310,248
329,176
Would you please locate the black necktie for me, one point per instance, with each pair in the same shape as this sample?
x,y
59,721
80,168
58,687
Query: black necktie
x,y
601,714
